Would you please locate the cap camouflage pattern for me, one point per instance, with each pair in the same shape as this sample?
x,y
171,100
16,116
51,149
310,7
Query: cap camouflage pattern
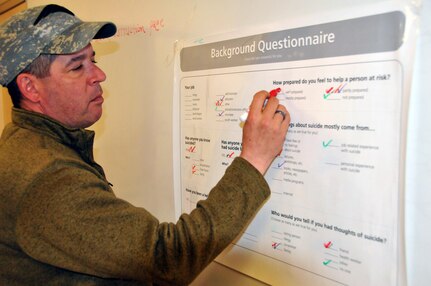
x,y
49,29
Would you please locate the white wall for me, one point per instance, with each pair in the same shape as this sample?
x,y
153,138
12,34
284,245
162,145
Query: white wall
x,y
418,176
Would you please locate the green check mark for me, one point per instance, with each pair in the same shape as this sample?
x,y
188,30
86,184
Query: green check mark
x,y
326,144
326,95
327,262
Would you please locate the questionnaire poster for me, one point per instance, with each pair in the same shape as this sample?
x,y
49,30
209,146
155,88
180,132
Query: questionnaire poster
x,y
334,215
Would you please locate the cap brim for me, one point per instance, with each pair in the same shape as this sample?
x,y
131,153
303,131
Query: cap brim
x,y
107,30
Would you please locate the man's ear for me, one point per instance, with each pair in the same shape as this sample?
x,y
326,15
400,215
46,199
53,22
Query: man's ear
x,y
27,84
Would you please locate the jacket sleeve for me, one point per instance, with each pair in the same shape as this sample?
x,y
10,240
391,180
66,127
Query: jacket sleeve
x,y
69,219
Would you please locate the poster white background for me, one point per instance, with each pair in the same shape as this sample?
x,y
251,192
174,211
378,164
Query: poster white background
x,y
336,187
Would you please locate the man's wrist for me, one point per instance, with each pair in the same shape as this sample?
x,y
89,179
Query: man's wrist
x,y
256,162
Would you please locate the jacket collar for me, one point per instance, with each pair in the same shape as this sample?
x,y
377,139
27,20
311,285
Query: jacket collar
x,y
79,139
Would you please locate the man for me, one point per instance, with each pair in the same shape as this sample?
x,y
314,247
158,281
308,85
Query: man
x,y
60,222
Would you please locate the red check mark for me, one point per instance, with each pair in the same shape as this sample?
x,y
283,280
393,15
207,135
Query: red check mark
x,y
329,90
327,244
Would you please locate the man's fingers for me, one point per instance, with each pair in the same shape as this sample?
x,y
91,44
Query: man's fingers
x,y
258,102
280,112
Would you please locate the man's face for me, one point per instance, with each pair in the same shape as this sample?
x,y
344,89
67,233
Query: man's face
x,y
72,93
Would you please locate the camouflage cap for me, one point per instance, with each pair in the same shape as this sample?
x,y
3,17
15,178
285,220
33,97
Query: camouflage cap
x,y
49,29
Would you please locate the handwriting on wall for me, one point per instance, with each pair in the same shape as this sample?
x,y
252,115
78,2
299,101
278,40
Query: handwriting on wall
x,y
154,25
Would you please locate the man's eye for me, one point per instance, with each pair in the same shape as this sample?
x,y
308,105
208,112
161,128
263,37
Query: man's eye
x,y
77,68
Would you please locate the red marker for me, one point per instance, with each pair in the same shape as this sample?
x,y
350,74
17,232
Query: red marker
x,y
272,93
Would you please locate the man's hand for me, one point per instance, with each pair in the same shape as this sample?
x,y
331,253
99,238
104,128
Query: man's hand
x,y
264,131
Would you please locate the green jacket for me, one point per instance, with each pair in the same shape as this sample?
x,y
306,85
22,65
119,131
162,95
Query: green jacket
x,y
61,224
